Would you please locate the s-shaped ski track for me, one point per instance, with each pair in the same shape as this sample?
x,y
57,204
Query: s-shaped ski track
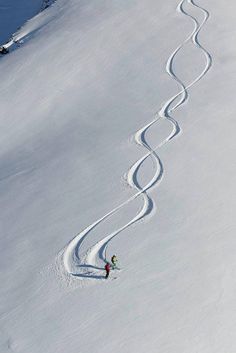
x,y
72,259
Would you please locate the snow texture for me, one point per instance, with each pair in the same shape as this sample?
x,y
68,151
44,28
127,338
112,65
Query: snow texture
x,y
117,137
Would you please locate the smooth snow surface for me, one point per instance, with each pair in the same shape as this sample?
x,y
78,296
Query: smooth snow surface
x,y
117,136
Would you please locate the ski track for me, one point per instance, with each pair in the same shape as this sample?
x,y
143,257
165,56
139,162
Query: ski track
x,y
71,257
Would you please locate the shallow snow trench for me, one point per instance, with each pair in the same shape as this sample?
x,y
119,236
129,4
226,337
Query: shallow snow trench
x,y
90,263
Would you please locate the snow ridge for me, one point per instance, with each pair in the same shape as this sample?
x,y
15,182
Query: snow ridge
x,y
30,26
71,258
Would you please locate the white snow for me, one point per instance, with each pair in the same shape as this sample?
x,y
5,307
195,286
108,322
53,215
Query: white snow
x,y
117,136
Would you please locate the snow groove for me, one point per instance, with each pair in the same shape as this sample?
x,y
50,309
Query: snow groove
x,y
72,259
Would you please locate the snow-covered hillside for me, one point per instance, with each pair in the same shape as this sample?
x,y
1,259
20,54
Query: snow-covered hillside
x,y
117,137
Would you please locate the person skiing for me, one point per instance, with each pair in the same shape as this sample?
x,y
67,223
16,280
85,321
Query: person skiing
x,y
108,269
114,261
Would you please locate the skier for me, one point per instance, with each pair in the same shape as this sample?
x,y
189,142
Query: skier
x,y
108,269
4,50
114,261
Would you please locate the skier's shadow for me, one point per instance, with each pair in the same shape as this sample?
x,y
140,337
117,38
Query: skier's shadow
x,y
89,274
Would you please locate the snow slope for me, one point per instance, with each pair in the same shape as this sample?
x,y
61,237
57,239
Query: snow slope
x,y
114,111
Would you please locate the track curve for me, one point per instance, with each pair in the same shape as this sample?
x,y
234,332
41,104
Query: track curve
x,y
72,259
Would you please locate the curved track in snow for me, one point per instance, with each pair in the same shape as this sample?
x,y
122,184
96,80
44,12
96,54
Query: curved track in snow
x,y
72,260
